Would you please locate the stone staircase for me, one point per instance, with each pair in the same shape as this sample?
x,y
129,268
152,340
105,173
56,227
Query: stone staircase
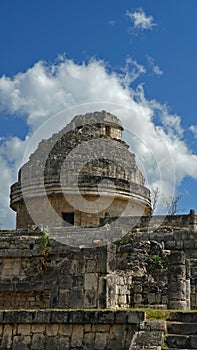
x,y
182,331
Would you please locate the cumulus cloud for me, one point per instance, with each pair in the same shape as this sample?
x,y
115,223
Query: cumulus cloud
x,y
45,90
140,20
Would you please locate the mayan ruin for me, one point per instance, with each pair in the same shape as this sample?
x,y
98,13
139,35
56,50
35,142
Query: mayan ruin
x,y
88,257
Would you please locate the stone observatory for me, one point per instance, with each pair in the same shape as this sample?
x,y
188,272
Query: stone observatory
x,y
83,175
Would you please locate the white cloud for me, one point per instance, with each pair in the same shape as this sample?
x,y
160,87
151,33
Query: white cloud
x,y
193,128
44,90
156,69
132,71
140,20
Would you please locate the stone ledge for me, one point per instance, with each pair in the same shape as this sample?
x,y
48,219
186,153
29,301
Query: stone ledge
x,y
72,316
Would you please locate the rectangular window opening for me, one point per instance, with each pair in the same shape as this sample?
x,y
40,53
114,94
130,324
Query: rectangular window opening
x,y
108,130
68,219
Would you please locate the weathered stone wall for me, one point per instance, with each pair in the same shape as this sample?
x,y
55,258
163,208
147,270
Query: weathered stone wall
x,y
54,206
99,330
74,162
69,330
143,268
49,274
156,266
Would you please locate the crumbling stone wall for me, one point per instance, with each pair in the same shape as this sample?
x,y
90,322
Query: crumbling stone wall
x,y
139,280
156,265
73,329
96,151
49,274
145,267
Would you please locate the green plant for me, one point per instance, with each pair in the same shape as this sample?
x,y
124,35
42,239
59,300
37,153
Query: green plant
x,y
121,241
155,262
44,243
155,228
164,347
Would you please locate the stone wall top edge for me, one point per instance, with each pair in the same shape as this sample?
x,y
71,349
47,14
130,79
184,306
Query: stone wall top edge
x,y
85,316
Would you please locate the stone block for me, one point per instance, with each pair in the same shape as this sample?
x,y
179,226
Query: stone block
x,y
24,329
16,317
65,282
189,244
64,343
152,338
76,316
121,281
182,328
177,341
91,266
7,336
91,281
90,299
193,341
65,329
176,272
51,343
138,289
38,328
179,245
100,328
38,342
121,316
177,304
176,258
102,262
170,244
52,329
76,267
116,339
76,298
105,317
39,317
21,343
122,300
185,317
77,336
6,342
59,316
138,298
87,328
77,281
88,341
102,293
136,317
155,325
177,292
64,299
100,341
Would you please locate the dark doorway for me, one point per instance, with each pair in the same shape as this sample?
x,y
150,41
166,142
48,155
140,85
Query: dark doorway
x,y
108,130
68,219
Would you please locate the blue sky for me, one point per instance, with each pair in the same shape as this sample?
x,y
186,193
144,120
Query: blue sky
x,y
140,54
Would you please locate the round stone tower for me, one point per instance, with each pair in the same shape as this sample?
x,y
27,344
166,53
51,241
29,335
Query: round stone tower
x,y
84,175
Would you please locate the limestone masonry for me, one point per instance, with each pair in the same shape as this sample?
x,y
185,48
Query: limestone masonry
x,y
57,296
67,169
